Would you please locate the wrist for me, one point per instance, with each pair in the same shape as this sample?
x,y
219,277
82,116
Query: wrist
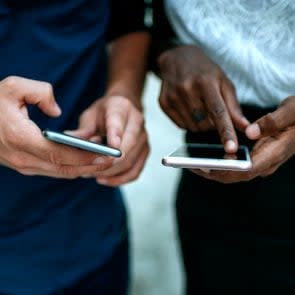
x,y
123,90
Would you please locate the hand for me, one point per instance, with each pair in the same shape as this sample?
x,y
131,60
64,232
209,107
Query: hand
x,y
123,125
275,135
22,146
198,96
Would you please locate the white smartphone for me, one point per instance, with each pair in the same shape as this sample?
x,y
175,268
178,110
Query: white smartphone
x,y
83,144
208,156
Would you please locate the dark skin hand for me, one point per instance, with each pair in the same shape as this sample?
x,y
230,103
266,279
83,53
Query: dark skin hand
x,y
275,135
198,96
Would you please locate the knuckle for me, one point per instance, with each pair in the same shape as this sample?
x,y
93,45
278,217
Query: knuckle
x,y
26,172
203,79
163,102
140,119
281,155
18,163
145,139
217,111
230,85
54,158
85,115
161,60
124,102
12,140
68,172
128,163
101,167
172,98
290,100
11,81
134,175
249,175
48,89
132,141
268,124
187,85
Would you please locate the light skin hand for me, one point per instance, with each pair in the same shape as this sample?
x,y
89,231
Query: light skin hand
x,y
275,135
118,115
22,146
122,123
191,81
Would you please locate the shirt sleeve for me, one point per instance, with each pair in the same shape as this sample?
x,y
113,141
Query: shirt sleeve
x,y
126,16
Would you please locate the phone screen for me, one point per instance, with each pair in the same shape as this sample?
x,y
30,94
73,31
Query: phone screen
x,y
213,152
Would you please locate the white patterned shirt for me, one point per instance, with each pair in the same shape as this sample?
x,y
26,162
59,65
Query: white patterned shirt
x,y
253,41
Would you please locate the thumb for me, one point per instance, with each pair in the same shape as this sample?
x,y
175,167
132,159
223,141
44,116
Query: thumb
x,y
87,124
273,122
34,92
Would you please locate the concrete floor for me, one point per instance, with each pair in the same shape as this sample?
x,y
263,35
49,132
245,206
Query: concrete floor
x,y
156,265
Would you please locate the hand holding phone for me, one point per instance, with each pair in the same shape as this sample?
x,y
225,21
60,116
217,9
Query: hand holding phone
x,y
208,156
83,144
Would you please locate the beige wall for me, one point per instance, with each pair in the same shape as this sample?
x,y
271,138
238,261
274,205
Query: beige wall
x,y
156,266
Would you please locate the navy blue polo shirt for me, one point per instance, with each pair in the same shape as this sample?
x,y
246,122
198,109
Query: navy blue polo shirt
x,y
54,231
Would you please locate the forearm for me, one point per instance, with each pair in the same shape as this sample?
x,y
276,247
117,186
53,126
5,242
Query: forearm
x,y
128,65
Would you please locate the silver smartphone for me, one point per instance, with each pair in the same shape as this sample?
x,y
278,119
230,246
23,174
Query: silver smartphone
x,y
83,144
208,156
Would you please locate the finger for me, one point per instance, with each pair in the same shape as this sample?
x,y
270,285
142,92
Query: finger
x,y
79,133
225,177
88,120
35,92
27,164
177,102
132,148
263,158
128,176
193,108
270,171
229,94
169,109
219,114
274,122
116,119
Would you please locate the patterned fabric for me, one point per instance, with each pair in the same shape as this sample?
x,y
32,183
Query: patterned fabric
x,y
252,40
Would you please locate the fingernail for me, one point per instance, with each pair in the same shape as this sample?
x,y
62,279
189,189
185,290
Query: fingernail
x,y
57,110
98,161
69,132
245,121
205,170
102,181
230,146
253,131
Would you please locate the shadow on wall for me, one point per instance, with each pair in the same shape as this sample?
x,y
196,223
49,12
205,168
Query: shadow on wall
x,y
156,265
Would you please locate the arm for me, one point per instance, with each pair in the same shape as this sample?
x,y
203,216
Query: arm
x,y
129,42
127,66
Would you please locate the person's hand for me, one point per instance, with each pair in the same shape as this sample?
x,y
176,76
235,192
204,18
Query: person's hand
x,y
197,95
275,135
116,118
22,145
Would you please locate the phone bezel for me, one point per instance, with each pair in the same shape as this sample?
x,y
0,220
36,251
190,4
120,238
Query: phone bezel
x,y
62,138
173,160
